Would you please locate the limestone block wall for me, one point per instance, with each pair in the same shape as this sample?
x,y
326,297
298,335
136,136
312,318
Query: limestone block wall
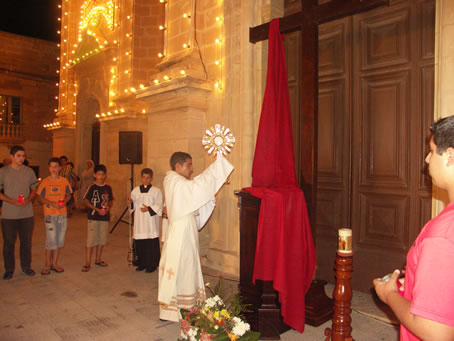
x,y
38,154
118,174
222,83
28,55
147,39
28,70
63,143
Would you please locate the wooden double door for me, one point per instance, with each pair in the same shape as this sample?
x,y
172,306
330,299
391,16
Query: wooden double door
x,y
375,106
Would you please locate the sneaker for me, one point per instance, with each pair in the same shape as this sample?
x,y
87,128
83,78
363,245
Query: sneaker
x,y
29,272
8,275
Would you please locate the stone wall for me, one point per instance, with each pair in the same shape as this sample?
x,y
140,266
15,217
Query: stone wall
x,y
28,70
222,83
147,39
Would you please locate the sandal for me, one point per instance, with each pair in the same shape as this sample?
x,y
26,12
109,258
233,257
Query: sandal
x,y
45,271
101,263
57,269
85,268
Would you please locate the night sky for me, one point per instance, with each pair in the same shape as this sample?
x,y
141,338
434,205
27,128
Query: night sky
x,y
33,18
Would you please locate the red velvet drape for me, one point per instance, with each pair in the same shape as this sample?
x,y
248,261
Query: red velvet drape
x,y
285,251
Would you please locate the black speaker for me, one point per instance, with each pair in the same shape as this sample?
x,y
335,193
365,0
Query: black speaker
x,y
130,147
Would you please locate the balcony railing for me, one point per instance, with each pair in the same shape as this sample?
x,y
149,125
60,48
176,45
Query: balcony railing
x,y
11,132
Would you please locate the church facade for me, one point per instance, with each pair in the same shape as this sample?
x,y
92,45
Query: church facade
x,y
172,69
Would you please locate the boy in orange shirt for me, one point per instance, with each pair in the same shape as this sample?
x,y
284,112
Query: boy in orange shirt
x,y
53,193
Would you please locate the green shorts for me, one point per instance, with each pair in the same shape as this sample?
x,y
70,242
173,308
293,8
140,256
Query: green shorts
x,y
97,232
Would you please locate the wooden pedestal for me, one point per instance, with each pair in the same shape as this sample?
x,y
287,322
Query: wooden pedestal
x,y
319,307
265,311
265,315
341,328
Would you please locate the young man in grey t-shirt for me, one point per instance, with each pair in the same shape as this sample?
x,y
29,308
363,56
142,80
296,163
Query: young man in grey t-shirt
x,y
19,187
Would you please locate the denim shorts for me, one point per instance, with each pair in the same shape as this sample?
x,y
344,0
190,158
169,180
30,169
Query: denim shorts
x,y
55,231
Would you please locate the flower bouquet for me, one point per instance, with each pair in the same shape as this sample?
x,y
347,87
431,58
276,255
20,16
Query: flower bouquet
x,y
216,320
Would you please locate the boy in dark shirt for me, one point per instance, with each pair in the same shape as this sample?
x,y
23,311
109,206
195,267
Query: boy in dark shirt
x,y
98,199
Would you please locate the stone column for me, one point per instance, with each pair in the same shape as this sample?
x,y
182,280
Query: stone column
x,y
444,77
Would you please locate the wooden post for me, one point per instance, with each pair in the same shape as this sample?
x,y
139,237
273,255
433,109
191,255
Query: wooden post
x,y
341,328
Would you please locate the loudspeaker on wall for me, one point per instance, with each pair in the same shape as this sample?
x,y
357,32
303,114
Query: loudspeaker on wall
x,y
130,147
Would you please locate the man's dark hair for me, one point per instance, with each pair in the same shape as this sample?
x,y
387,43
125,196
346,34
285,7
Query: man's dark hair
x,y
179,157
15,149
54,159
147,171
100,168
443,133
64,157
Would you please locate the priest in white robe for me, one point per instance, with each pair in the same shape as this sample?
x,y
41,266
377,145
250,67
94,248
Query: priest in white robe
x,y
189,205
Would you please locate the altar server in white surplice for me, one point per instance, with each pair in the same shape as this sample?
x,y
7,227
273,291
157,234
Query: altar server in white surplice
x,y
189,205
146,202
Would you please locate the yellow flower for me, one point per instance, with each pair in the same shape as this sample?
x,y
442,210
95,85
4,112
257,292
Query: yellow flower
x,y
233,337
216,315
225,313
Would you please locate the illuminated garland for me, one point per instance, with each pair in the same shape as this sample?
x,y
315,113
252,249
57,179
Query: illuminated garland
x,y
91,27
92,11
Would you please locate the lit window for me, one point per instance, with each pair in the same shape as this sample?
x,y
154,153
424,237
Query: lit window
x,y
10,109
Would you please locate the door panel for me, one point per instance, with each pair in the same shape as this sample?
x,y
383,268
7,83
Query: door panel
x,y
375,107
383,138
333,141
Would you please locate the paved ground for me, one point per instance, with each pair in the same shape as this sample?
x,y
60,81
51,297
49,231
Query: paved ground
x,y
113,303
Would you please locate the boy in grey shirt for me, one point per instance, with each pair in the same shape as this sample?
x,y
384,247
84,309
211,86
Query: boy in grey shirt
x,y
19,186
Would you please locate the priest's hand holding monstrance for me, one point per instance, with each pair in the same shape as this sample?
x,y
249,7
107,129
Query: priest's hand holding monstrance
x,y
218,140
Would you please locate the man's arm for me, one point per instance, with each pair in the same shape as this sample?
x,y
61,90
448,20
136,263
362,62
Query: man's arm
x,y
30,197
44,201
91,206
423,328
156,202
16,202
4,198
111,201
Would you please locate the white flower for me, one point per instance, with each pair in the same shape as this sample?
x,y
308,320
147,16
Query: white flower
x,y
210,302
192,332
240,327
183,335
213,302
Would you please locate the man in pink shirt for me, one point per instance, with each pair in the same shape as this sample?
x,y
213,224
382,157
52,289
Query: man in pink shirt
x,y
426,311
